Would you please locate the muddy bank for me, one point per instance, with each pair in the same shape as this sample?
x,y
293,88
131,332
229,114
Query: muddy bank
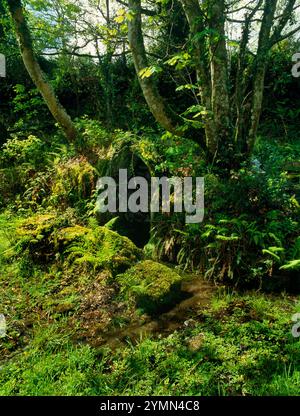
x,y
197,293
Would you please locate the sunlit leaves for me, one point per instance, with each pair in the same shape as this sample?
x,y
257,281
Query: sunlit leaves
x,y
180,60
291,265
121,16
149,71
186,87
197,110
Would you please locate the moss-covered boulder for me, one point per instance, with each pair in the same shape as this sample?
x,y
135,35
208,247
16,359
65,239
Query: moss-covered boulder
x,y
154,286
103,248
37,235
48,237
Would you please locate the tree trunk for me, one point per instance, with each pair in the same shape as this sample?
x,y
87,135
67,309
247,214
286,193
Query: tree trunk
x,y
108,76
219,77
260,69
161,111
35,71
210,59
239,98
194,17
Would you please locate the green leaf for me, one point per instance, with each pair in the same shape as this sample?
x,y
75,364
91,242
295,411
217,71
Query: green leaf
x,y
291,265
149,71
265,251
226,238
186,87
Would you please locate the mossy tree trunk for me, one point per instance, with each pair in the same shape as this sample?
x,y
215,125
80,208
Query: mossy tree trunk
x,y
160,109
260,69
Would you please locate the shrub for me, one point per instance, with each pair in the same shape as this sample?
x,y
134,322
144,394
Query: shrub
x,y
251,225
17,150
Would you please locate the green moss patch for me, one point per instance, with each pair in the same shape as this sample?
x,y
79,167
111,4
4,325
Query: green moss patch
x,y
155,286
103,248
47,238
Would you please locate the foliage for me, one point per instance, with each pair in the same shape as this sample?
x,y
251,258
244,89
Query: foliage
x,y
73,182
86,313
251,225
103,248
281,106
19,159
19,150
30,109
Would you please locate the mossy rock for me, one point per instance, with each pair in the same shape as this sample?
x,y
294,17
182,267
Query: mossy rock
x,y
36,235
155,286
37,224
68,235
102,248
49,237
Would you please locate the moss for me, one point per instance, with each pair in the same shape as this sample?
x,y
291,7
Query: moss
x,y
35,236
70,234
46,238
36,224
155,286
74,181
103,248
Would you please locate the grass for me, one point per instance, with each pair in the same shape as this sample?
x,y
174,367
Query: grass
x,y
225,352
241,344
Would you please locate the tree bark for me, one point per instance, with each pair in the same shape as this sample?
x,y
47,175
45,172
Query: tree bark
x,y
34,70
210,59
264,45
193,14
241,83
219,75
